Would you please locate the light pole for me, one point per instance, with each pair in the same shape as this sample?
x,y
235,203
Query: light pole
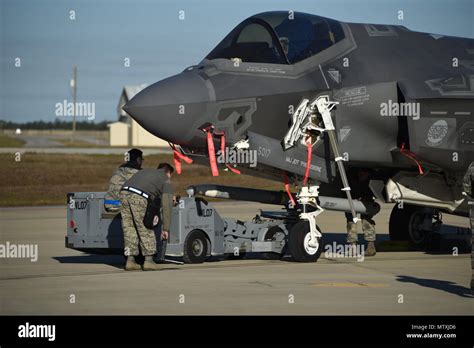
x,y
74,93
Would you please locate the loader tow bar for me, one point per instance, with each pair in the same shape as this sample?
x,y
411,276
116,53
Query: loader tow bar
x,y
306,121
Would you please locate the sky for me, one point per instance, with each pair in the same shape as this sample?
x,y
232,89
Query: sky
x,y
156,41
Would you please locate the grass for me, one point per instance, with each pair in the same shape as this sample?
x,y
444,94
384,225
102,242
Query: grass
x,y
45,179
8,141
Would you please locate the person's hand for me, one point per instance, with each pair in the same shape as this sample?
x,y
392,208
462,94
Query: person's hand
x,y
164,235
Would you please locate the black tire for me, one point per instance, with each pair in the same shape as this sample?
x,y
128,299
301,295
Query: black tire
x,y
296,243
195,247
403,222
399,222
269,236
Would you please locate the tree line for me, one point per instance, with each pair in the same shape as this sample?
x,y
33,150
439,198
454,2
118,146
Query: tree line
x,y
57,124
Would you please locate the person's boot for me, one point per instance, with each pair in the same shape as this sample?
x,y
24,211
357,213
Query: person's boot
x,y
370,251
150,264
351,250
132,265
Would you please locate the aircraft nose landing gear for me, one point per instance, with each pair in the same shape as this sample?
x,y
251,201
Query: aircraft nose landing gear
x,y
307,198
309,118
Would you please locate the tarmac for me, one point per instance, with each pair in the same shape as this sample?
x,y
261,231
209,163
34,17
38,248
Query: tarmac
x,y
64,281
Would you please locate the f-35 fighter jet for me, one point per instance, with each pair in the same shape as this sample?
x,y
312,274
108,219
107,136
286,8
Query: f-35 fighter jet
x,y
317,101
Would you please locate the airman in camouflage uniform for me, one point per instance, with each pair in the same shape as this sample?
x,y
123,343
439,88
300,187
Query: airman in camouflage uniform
x,y
147,183
136,234
122,174
468,189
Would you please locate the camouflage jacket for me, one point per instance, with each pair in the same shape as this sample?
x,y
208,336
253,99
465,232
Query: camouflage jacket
x,y
122,174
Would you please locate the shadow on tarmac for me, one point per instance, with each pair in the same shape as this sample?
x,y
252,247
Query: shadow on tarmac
x,y
443,285
116,261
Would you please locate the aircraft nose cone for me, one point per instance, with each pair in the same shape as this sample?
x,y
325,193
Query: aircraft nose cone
x,y
171,108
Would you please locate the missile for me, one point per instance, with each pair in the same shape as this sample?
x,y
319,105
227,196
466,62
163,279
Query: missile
x,y
278,198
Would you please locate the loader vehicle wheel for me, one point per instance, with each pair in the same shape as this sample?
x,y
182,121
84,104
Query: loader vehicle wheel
x,y
195,247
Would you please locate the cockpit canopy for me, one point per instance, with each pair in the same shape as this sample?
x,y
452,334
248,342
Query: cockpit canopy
x,y
279,38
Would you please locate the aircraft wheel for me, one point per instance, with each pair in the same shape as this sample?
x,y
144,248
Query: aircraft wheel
x,y
298,243
399,220
195,247
407,224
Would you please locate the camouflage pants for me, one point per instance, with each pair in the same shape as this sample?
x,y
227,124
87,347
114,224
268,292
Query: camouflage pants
x,y
368,227
136,236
